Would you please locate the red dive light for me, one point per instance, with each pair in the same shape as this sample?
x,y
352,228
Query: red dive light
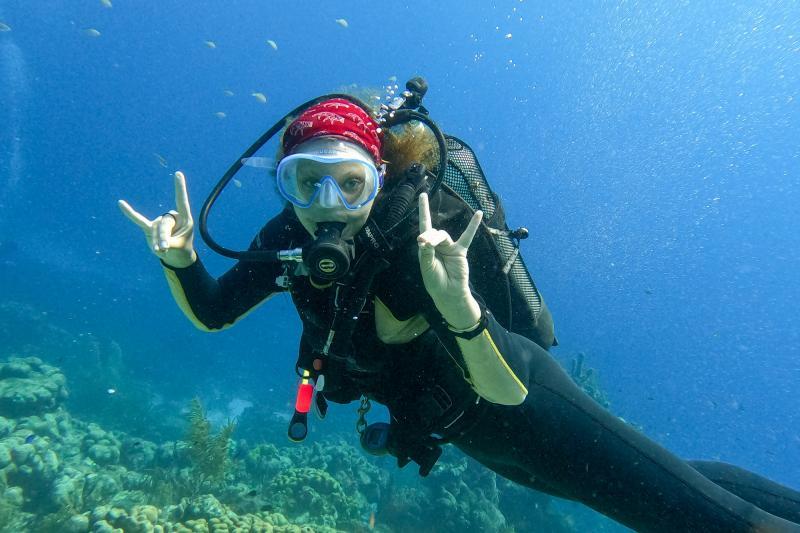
x,y
298,427
305,393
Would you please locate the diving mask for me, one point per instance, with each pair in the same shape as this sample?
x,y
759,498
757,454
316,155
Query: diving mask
x,y
331,172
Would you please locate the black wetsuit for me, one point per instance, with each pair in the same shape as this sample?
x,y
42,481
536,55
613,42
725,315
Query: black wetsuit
x,y
558,440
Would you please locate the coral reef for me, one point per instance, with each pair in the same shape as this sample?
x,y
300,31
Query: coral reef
x,y
94,362
204,513
58,473
61,473
28,386
331,481
462,495
306,492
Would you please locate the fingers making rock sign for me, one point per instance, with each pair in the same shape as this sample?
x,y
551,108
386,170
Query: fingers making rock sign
x,y
172,230
436,241
443,263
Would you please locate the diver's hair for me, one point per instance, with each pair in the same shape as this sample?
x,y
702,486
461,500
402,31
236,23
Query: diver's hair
x,y
408,143
402,145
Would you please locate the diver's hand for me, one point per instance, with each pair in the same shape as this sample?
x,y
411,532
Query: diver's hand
x,y
445,270
170,236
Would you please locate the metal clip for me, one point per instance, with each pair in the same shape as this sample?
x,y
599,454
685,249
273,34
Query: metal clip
x,y
363,409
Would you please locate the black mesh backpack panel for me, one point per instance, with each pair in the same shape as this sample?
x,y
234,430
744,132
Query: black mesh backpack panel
x,y
465,176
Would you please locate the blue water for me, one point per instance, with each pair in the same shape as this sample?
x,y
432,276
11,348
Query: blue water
x,y
650,147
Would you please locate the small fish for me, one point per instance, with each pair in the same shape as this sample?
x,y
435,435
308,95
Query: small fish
x,y
106,3
252,493
4,27
372,520
272,44
260,97
210,44
508,36
220,115
342,22
91,32
237,183
392,78
30,438
228,92
136,444
111,391
161,160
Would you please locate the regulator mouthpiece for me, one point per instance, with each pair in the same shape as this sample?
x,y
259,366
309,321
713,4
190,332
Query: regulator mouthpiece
x,y
328,257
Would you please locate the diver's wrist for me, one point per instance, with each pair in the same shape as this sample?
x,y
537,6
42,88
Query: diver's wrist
x,y
462,316
179,258
477,329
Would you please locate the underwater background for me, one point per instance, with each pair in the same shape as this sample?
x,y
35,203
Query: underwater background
x,y
650,147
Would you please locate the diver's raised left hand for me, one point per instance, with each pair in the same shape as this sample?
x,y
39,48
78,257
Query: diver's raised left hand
x,y
445,270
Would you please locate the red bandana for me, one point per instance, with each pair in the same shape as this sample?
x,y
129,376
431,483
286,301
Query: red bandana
x,y
338,117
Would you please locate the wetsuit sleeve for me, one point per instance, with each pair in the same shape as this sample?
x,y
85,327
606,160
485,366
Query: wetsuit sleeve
x,y
498,361
215,304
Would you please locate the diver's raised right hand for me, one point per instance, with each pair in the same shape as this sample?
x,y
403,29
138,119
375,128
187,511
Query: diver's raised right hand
x,y
171,235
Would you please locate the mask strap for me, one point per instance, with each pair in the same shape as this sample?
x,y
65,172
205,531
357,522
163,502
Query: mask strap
x,y
381,175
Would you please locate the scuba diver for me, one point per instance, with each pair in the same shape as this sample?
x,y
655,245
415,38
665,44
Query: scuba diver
x,y
412,293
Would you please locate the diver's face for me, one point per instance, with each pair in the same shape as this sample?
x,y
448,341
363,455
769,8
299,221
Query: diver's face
x,y
328,179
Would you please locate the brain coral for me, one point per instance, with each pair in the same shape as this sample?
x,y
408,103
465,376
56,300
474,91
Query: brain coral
x,y
30,387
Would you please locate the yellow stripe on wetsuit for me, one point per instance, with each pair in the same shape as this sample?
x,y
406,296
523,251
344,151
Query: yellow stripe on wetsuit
x,y
490,374
179,295
504,362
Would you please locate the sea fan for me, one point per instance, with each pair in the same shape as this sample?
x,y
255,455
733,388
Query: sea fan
x,y
208,452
